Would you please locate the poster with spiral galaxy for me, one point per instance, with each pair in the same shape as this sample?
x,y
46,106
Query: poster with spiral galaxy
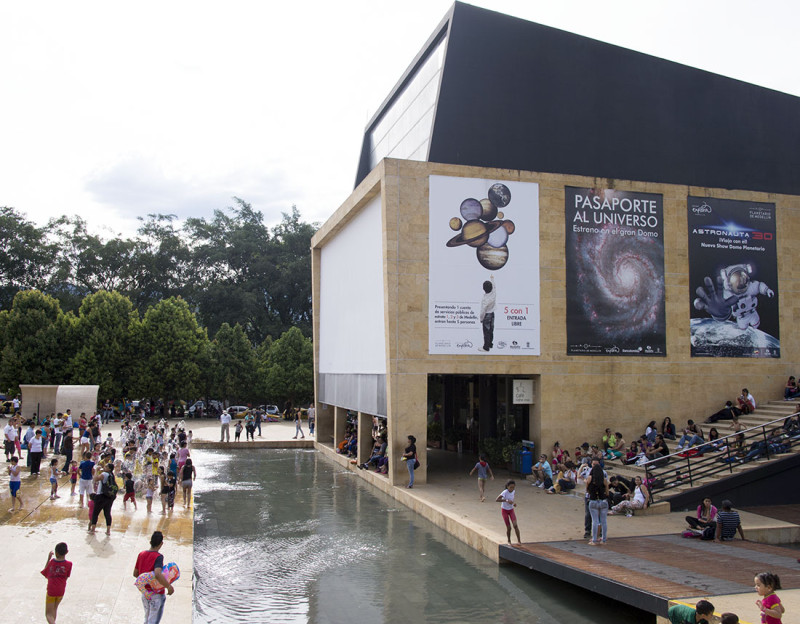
x,y
733,278
615,273
483,286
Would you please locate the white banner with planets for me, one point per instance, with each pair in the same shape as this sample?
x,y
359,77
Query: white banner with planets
x,y
483,291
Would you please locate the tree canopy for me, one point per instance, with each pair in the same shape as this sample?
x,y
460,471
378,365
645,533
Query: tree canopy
x,y
231,268
164,353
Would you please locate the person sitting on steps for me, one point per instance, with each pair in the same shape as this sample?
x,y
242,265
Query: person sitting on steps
x,y
746,402
619,489
729,412
543,472
618,450
692,435
640,499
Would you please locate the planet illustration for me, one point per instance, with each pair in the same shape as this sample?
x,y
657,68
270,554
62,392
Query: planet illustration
x,y
488,210
492,258
724,339
471,209
499,195
474,233
498,238
485,227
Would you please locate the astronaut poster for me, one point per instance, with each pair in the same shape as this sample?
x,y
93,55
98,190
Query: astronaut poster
x,y
614,247
483,287
733,274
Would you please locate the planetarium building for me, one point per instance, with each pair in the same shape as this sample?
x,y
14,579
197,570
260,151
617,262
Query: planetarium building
x,y
550,235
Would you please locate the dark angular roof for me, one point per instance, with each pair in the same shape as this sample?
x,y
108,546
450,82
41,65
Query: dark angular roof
x,y
519,95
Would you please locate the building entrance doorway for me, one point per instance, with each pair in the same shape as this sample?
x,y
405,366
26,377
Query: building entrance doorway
x,y
469,408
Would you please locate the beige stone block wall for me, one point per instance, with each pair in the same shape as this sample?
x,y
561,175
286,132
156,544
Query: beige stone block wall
x,y
577,396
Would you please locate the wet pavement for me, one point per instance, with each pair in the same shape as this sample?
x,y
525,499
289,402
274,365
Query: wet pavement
x,y
101,588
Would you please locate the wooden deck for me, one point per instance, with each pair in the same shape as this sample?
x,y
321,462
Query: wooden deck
x,y
648,572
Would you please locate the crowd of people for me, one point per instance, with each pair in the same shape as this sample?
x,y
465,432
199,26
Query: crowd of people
x,y
149,459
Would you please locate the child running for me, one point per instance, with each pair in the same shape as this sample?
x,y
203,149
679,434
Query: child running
x,y
769,604
54,479
56,571
506,499
73,477
483,470
130,492
14,482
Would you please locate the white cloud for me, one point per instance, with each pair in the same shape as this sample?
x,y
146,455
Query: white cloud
x,y
112,110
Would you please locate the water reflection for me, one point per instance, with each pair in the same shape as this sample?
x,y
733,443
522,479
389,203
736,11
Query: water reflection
x,y
287,536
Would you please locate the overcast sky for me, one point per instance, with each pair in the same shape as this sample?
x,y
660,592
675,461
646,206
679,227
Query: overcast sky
x,y
114,110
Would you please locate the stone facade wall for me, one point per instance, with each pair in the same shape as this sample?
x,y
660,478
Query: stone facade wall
x,y
579,395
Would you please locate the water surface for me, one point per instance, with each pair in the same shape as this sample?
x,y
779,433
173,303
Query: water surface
x,y
287,536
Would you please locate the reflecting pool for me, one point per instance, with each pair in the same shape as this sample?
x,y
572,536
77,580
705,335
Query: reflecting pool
x,y
287,536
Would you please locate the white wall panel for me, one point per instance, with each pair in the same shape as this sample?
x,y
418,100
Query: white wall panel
x,y
351,314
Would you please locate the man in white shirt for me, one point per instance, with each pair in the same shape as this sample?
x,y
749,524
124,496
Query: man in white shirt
x,y
67,424
10,436
225,420
58,422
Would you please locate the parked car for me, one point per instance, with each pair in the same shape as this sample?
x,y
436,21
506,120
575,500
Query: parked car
x,y
270,409
238,411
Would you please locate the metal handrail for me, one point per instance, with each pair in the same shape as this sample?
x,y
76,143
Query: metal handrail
x,y
661,473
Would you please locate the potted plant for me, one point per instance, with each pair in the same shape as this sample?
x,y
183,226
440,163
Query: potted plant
x,y
509,452
435,435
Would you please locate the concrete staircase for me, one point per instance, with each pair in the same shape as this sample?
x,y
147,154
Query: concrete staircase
x,y
765,413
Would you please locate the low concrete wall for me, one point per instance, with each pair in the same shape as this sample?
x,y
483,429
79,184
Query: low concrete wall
x,y
260,444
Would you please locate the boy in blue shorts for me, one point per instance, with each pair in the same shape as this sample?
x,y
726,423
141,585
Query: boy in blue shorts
x,y
15,480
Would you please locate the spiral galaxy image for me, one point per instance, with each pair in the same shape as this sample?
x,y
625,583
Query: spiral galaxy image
x,y
615,287
620,283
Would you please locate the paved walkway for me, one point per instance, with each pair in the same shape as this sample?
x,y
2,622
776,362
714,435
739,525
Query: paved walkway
x,y
101,589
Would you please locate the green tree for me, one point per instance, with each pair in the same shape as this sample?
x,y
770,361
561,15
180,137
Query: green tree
x,y
26,256
104,330
230,257
162,264
37,339
169,346
86,264
288,293
234,364
247,275
287,368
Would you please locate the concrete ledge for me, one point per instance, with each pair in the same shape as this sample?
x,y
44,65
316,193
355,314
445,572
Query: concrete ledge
x,y
662,507
783,534
259,444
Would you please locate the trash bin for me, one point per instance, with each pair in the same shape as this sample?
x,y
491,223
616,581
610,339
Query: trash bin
x,y
524,462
